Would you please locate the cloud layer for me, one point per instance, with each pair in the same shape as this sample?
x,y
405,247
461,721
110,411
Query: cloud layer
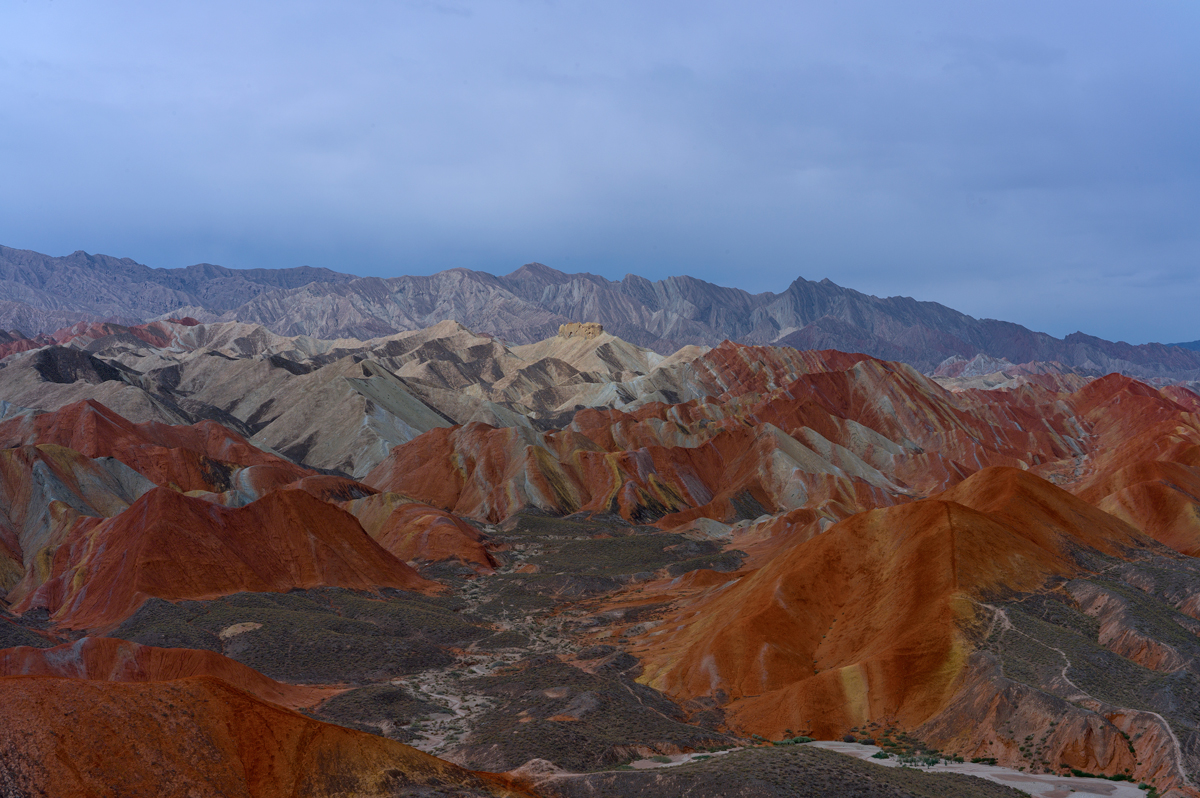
x,y
1028,161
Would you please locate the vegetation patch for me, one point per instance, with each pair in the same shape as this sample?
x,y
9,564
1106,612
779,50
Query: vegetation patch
x,y
626,554
13,634
379,709
580,721
326,635
502,640
1035,651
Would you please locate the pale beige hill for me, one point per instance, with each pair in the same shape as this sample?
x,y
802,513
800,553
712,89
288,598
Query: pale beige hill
x,y
342,404
598,352
346,417
322,402
1005,381
53,377
988,373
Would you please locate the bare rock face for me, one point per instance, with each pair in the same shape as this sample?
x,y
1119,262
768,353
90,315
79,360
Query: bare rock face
x,y
586,330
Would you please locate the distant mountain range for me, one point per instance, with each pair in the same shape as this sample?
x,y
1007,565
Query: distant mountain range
x,y
43,293
39,293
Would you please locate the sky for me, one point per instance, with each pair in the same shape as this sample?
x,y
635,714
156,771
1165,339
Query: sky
x,y
1029,161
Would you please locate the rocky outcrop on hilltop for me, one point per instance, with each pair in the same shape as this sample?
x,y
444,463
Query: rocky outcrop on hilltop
x,y
586,330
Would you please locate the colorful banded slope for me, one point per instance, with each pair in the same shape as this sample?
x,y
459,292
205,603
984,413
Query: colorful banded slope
x,y
772,542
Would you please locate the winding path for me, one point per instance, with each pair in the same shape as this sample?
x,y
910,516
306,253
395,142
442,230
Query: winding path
x,y
998,614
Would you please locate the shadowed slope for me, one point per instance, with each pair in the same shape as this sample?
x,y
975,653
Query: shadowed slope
x,y
1050,517
1161,499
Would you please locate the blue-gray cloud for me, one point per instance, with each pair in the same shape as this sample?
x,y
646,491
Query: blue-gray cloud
x,y
1027,161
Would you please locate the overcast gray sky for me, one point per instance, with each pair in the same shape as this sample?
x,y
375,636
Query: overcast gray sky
x,y
1031,161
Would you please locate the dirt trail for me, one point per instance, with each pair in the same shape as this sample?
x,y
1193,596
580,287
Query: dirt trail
x,y
1079,694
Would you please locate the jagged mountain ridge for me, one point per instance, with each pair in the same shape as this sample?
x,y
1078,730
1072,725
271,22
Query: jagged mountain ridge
x,y
44,293
529,304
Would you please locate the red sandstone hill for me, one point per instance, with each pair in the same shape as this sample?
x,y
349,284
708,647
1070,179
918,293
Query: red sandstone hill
x,y
14,342
197,457
199,737
177,547
414,531
731,370
864,622
44,490
861,434
156,333
1145,462
110,660
848,434
1160,498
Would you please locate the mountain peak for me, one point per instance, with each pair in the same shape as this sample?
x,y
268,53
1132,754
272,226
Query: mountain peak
x,y
535,269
